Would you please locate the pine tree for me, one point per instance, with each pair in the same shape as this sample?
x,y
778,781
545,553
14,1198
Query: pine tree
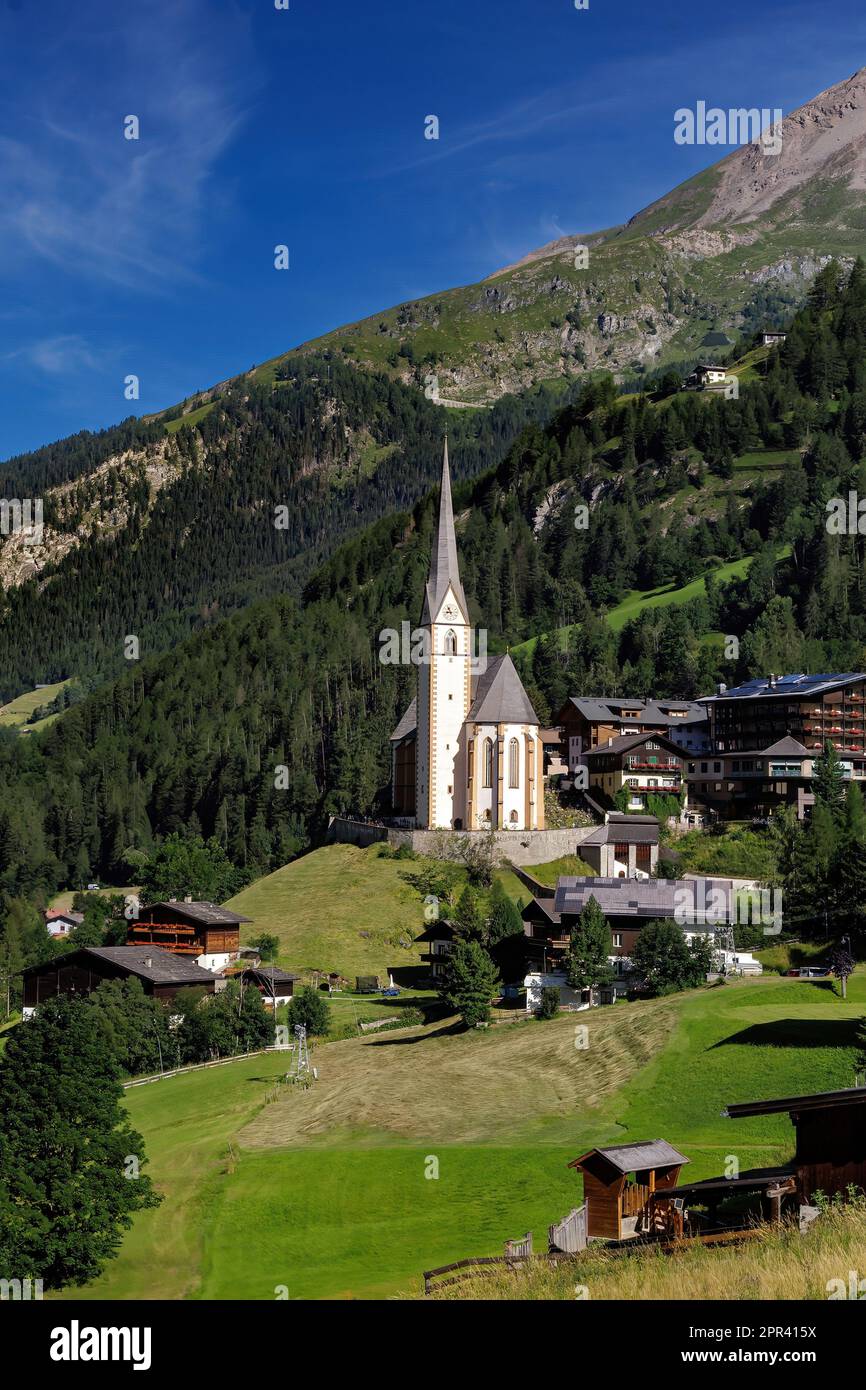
x,y
469,921
470,982
505,919
828,782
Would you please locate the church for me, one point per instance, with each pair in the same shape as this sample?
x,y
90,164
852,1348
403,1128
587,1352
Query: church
x,y
467,754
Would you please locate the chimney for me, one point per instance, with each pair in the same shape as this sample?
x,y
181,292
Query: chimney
x,y
149,962
771,681
188,898
722,687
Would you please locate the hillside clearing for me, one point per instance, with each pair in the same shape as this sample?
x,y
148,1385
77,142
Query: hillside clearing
x,y
339,908
443,1085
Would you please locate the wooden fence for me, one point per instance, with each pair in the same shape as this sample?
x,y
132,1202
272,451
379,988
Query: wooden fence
x,y
519,1249
569,1235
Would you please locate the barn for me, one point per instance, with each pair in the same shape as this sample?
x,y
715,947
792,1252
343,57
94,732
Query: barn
x,y
80,972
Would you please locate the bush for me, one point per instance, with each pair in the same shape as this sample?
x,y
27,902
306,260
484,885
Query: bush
x,y
311,1009
549,1002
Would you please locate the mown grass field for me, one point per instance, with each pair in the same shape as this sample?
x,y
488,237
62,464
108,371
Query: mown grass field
x,y
16,713
324,1191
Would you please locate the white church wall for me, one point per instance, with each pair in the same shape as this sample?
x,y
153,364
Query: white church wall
x,y
513,798
443,702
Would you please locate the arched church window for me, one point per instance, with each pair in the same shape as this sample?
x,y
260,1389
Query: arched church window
x,y
488,762
450,644
513,817
514,763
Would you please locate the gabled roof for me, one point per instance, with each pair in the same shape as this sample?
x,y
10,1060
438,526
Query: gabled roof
x,y
626,742
408,724
545,907
794,685
609,711
210,914
269,975
853,1095
788,746
620,832
631,1158
146,962
644,899
444,571
499,697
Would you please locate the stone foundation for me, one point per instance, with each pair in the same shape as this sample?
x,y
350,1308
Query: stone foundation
x,y
513,846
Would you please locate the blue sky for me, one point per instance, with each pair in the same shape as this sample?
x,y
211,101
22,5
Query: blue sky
x,y
261,126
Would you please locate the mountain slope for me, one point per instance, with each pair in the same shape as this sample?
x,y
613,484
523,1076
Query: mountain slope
x,y
731,248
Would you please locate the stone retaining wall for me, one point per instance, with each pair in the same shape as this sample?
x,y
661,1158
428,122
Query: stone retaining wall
x,y
514,846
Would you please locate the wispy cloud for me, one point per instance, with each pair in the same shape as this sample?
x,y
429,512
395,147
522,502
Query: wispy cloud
x,y
78,194
64,354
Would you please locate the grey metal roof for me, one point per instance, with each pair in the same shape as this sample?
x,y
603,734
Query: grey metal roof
x,y
625,742
609,711
499,697
164,968
788,746
271,974
408,724
444,570
630,1158
793,685
211,914
620,832
641,898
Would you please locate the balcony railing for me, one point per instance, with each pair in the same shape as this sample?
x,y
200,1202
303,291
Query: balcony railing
x,y
652,767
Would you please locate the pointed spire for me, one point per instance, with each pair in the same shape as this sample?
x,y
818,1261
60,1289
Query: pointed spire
x,y
444,571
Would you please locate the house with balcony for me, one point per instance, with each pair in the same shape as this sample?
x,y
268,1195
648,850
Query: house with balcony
x,y
767,733
589,723
643,765
752,783
202,931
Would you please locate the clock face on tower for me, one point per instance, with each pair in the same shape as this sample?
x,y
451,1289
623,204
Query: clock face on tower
x,y
449,611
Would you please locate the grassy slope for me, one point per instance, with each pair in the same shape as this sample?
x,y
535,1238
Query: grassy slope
x,y
320,904
637,601
550,873
18,711
776,1265
324,1192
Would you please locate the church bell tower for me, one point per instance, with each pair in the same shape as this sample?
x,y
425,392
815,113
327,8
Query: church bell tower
x,y
444,681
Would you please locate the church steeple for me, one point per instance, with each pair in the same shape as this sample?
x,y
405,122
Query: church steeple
x,y
444,571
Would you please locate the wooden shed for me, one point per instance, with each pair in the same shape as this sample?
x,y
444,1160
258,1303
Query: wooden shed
x,y
830,1137
619,1181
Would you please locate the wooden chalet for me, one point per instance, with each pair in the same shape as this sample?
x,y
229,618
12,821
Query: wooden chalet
x,y
200,930
80,972
275,986
830,1127
619,1183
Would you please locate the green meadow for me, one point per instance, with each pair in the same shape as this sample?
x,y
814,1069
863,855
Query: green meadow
x,y
325,1192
